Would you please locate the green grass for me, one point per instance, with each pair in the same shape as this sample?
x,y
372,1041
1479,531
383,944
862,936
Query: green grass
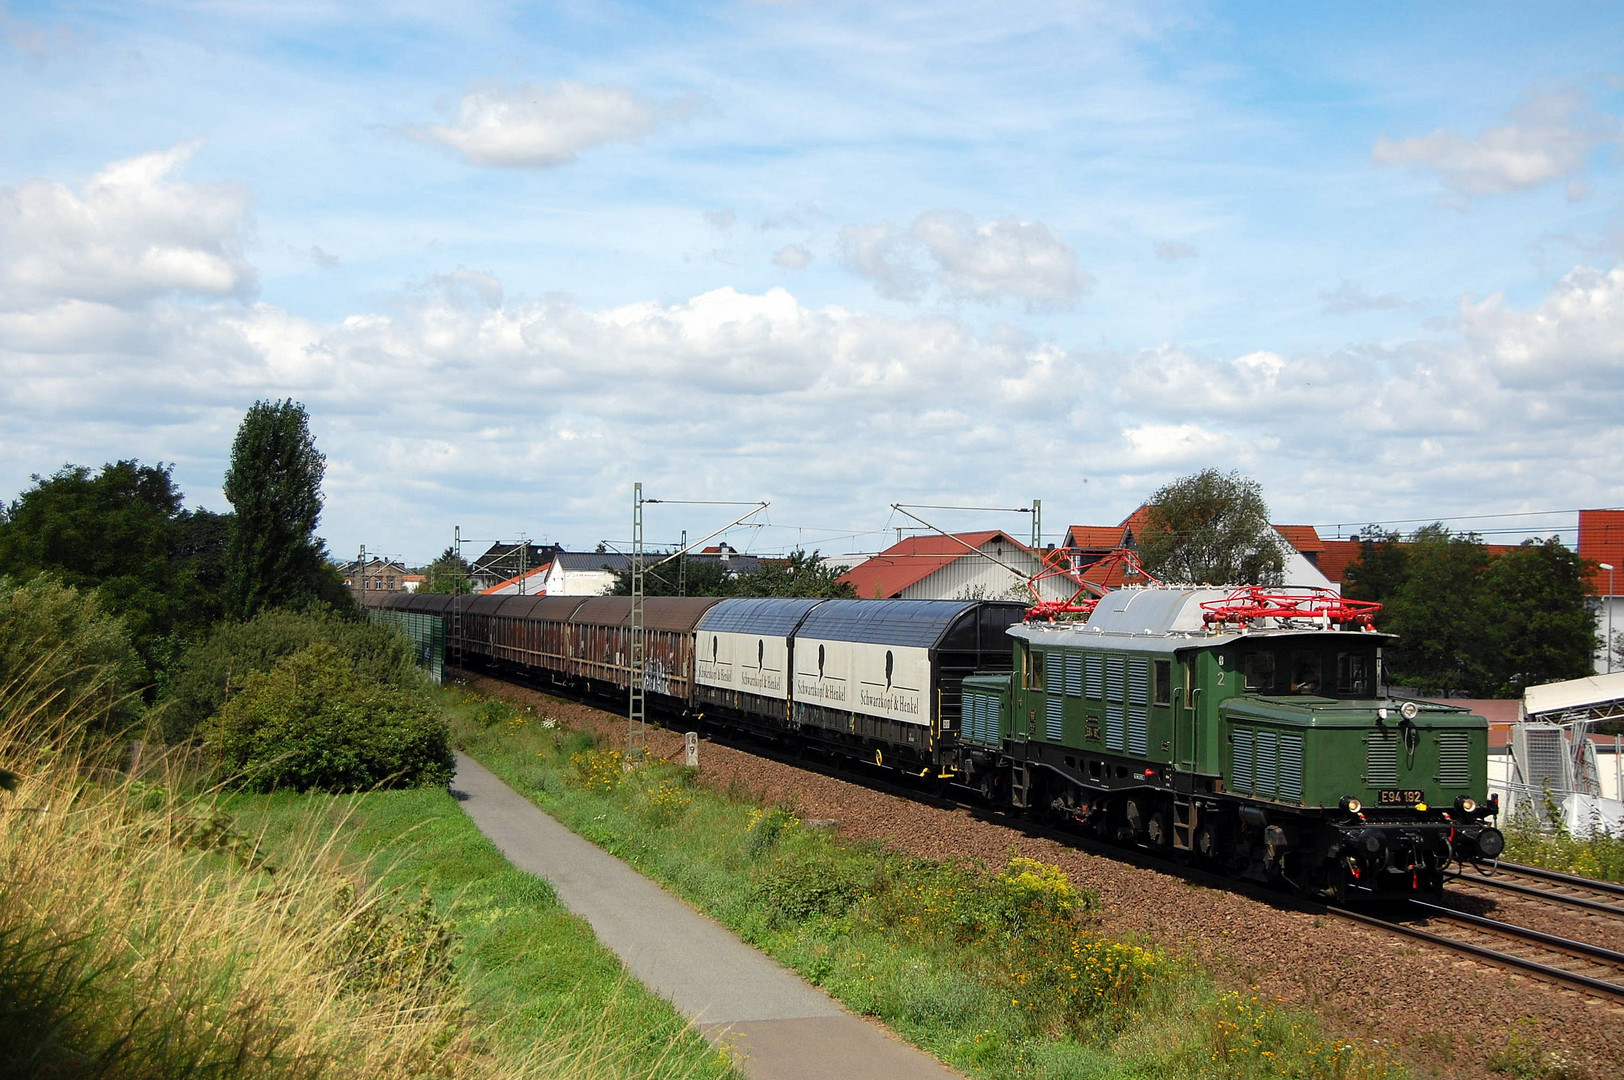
x,y
522,959
1601,855
1000,971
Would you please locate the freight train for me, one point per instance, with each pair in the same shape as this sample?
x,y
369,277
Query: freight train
x,y
1244,729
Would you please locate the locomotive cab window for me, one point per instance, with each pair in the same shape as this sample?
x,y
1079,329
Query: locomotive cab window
x,y
1164,683
1259,668
1353,674
1305,673
1034,668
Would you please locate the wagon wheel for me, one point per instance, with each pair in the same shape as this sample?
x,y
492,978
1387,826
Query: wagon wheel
x,y
1156,834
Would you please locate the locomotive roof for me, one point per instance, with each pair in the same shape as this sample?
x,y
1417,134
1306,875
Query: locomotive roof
x,y
1161,619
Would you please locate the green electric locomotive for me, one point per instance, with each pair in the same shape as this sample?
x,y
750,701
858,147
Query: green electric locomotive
x,y
1245,728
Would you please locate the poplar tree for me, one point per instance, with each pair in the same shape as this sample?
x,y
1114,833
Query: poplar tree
x,y
273,558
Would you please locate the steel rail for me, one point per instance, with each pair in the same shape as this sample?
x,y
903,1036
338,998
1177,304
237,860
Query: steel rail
x,y
1598,952
1566,879
1547,972
1585,903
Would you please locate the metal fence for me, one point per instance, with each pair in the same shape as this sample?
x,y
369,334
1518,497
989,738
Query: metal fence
x,y
427,634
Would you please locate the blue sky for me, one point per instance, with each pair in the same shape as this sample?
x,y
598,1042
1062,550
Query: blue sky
x,y
836,256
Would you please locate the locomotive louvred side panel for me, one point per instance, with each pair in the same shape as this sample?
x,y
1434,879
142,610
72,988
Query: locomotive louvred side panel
x,y
1115,727
1074,674
1054,718
1264,764
1094,676
1381,760
1454,759
1054,706
1291,767
1267,764
1138,681
1240,778
1138,731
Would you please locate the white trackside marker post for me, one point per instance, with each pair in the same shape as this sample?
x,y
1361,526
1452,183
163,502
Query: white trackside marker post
x,y
690,746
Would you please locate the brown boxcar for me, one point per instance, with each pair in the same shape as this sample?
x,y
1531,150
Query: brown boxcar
x,y
600,642
533,632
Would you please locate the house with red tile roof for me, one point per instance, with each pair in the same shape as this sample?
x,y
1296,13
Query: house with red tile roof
x,y
1601,544
989,565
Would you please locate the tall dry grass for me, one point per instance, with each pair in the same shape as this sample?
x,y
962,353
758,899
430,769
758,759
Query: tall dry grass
x,y
141,936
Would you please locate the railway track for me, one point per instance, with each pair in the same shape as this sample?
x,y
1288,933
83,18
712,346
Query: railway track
x,y
1586,966
1582,965
1585,894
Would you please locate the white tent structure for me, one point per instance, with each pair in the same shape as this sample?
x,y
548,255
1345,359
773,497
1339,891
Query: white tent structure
x,y
1554,764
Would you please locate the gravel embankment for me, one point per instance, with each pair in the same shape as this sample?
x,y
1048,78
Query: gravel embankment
x,y
1443,1013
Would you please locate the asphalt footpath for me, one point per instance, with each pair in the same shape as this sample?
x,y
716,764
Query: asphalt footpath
x,y
777,1026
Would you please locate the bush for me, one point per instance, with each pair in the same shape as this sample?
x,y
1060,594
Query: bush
x,y
793,890
211,671
62,654
316,721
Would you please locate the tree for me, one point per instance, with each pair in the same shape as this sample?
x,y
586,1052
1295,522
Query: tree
x,y
681,576
798,574
314,721
204,677
1212,527
64,658
273,558
1381,568
123,532
1439,614
446,574
1544,630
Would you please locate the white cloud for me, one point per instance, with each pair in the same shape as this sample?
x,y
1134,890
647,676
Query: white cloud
x,y
1574,337
1176,445
1349,298
131,232
885,256
734,394
793,257
1172,251
455,396
987,262
1007,257
535,127
1547,138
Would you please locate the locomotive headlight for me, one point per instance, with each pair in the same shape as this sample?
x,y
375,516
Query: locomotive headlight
x,y
1465,804
1350,805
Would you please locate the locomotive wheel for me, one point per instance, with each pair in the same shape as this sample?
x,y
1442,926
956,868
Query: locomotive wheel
x,y
1156,834
1206,839
1134,820
1338,879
